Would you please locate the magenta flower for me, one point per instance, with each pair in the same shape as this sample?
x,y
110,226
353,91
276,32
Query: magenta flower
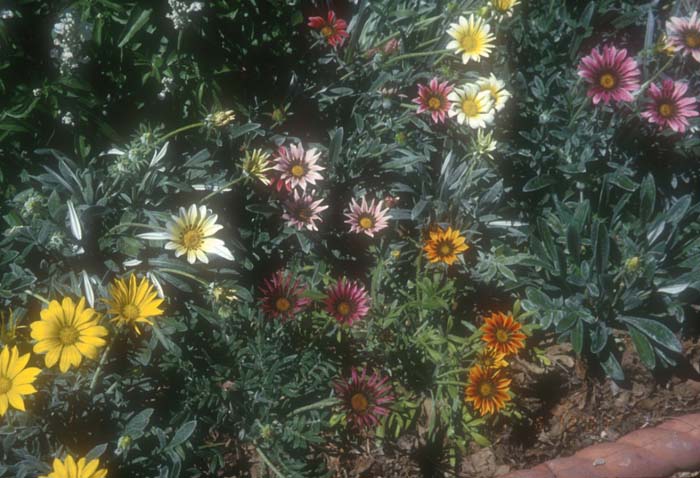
x,y
302,211
364,398
333,29
367,218
684,35
613,75
347,301
282,297
433,98
669,107
296,167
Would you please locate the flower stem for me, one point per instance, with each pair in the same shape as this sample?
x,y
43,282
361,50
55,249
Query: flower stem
x,y
184,274
37,296
136,224
269,464
414,55
221,189
100,366
180,130
326,402
656,75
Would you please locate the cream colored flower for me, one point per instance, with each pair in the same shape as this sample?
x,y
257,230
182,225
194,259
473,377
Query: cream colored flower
x,y
497,89
471,106
471,38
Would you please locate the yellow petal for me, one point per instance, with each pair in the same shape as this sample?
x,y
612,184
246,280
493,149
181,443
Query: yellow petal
x,y
28,375
16,400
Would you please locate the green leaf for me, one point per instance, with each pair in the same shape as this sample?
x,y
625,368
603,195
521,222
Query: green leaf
x,y
573,240
612,367
182,434
656,331
134,428
479,439
538,297
647,198
577,337
643,346
602,249
678,210
135,27
538,182
336,146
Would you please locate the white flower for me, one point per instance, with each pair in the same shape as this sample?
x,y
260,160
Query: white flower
x,y
471,106
497,88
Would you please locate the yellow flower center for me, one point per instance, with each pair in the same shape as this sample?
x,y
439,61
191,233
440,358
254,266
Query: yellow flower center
x,y
282,304
469,42
366,222
445,249
343,308
5,385
486,389
434,103
692,39
666,110
470,108
502,336
297,170
192,238
68,335
359,402
327,31
607,81
130,312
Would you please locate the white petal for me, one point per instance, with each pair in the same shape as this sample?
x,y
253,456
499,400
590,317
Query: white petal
x,y
155,236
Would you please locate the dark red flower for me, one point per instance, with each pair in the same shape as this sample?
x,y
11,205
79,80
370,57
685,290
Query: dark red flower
x,y
365,398
333,29
282,296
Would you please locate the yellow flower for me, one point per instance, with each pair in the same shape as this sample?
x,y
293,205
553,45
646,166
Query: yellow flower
x,y
133,303
443,246
70,469
504,7
189,233
68,332
487,390
221,118
497,89
471,38
256,164
15,379
490,357
471,106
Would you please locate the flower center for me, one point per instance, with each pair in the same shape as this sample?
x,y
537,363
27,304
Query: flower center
x,y
283,304
297,170
192,239
366,222
607,81
445,249
5,385
666,110
434,103
692,39
343,308
502,336
470,108
68,335
359,402
486,389
469,42
327,31
304,214
130,312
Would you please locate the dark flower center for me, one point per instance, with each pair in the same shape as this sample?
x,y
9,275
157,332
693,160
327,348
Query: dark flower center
x,y
434,103
445,249
304,214
327,31
692,39
366,222
282,304
343,308
666,110
502,336
607,81
298,170
359,403
486,389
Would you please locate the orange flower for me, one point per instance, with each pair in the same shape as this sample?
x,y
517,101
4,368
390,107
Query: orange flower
x,y
502,332
487,389
443,246
489,357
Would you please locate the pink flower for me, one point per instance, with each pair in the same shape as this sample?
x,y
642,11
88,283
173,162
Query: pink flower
x,y
669,107
433,98
367,218
347,301
684,35
296,167
612,75
282,297
302,211
364,398
333,29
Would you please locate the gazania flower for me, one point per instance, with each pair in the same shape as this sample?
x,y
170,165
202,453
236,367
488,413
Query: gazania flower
x,y
433,98
669,107
302,211
282,296
333,29
297,167
189,233
684,35
365,398
487,389
502,333
471,106
471,38
69,468
612,74
256,164
15,379
497,89
367,218
68,332
489,357
504,7
133,303
221,118
443,246
347,301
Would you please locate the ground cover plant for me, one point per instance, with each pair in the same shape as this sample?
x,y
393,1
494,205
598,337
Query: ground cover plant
x,y
306,239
